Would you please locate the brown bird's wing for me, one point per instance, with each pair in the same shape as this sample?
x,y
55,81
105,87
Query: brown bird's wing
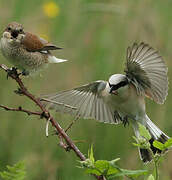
x,y
34,43
147,71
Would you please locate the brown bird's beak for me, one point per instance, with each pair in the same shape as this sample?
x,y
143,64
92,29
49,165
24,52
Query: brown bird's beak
x,y
14,33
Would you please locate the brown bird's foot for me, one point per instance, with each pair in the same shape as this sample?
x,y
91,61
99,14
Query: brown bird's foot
x,y
25,73
12,72
125,121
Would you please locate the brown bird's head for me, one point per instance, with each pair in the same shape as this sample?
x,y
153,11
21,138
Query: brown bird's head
x,y
14,29
14,34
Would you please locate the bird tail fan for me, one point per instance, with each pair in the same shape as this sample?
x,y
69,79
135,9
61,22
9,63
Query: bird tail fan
x,y
156,134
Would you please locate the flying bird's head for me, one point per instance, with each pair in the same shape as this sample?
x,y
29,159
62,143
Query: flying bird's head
x,y
14,32
117,81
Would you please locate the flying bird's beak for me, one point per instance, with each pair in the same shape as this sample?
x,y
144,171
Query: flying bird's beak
x,y
112,91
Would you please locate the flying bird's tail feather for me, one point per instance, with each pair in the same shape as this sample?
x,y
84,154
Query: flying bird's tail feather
x,y
53,59
156,134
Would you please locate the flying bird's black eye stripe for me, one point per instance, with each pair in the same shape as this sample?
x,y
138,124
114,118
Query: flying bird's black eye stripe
x,y
110,85
117,86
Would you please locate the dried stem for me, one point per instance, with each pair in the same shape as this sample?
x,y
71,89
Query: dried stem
x,y
43,114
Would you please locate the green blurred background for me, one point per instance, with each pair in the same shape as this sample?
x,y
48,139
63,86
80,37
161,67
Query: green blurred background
x,y
94,35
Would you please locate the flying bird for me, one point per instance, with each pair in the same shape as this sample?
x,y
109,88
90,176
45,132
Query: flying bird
x,y
26,51
121,99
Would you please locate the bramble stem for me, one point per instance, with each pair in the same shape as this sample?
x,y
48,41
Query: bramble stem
x,y
44,113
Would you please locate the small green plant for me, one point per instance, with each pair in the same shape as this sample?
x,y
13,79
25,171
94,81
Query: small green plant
x,y
151,177
143,142
109,169
162,146
15,172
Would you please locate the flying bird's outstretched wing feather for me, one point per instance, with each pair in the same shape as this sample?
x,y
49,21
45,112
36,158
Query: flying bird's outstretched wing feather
x,y
147,71
88,100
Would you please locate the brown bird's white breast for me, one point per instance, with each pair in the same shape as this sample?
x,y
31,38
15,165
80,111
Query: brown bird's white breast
x,y
20,57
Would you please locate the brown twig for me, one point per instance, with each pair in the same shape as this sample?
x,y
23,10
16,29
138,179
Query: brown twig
x,y
44,114
20,109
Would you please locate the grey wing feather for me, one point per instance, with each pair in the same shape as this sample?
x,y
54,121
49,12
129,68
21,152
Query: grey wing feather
x,y
147,71
88,100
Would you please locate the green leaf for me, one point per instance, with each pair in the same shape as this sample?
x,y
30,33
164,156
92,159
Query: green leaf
x,y
137,145
144,132
159,145
168,143
105,167
135,173
114,161
162,146
151,177
91,155
102,166
16,172
129,173
93,171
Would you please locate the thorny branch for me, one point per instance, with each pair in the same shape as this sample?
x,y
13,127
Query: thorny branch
x,y
20,109
44,113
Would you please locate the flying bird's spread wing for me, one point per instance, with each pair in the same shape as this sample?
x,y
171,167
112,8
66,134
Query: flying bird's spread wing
x,y
147,71
34,43
89,101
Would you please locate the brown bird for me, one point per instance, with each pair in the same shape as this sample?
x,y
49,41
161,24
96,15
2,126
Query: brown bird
x,y
26,51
